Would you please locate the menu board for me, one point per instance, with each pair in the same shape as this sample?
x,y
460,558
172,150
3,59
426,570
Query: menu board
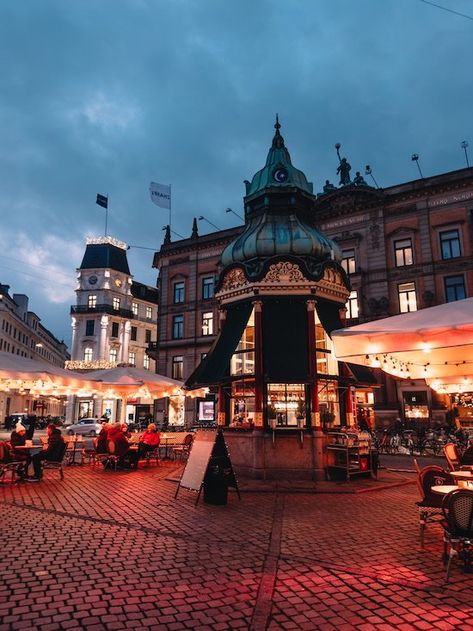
x,y
198,460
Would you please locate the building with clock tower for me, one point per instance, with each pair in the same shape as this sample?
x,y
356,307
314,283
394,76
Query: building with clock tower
x,y
114,318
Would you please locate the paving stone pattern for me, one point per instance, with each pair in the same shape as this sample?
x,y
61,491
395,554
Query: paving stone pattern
x,y
115,550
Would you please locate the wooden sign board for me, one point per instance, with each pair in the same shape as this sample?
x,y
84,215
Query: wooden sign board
x,y
209,450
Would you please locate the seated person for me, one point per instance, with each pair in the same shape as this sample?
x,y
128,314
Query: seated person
x,y
149,440
54,452
101,444
18,439
127,457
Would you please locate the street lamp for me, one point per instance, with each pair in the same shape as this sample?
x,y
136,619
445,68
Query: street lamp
x,y
230,210
415,158
369,172
202,218
464,146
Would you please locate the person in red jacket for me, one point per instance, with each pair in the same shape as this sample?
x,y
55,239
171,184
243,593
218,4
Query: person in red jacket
x,y
128,458
149,441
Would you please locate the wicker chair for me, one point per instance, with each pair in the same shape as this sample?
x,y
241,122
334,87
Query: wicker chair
x,y
183,450
430,505
458,530
55,464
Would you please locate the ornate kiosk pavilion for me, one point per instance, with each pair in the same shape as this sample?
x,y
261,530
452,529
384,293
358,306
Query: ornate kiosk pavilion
x,y
280,290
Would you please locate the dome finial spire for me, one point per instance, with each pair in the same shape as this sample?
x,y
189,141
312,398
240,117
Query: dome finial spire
x,y
278,140
277,126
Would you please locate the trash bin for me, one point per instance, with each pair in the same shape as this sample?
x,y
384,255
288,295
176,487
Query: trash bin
x,y
215,487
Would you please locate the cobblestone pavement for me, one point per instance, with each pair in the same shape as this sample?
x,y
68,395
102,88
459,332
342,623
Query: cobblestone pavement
x,y
115,550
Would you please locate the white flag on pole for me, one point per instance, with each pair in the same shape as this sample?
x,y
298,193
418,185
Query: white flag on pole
x,y
160,194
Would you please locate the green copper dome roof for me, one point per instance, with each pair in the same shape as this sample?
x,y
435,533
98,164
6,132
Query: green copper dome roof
x,y
272,235
278,170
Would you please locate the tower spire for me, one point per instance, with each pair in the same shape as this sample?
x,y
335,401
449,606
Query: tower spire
x,y
278,140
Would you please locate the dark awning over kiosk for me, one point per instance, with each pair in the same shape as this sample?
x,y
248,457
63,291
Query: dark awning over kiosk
x,y
211,369
362,374
329,315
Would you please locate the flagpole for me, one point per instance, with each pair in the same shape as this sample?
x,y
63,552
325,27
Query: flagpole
x,y
170,201
106,217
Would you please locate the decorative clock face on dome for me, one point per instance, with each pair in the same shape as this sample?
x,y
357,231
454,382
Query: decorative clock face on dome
x,y
93,280
118,282
280,175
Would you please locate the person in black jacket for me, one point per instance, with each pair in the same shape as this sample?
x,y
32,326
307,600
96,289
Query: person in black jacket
x,y
53,453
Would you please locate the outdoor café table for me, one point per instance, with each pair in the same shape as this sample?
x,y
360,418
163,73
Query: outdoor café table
x,y
444,489
28,447
74,440
462,475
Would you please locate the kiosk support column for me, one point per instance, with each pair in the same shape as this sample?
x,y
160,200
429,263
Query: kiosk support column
x,y
258,415
313,386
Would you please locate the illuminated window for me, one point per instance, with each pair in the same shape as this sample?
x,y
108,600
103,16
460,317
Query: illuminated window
x,y
348,261
149,313
134,308
286,404
89,327
92,302
178,292
207,288
407,297
113,355
352,305
132,358
403,252
454,288
207,323
116,303
146,362
243,359
178,367
450,244
88,354
177,327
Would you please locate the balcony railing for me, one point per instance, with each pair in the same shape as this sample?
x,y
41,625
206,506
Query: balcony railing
x,y
123,313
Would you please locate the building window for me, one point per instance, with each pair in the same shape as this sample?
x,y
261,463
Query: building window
x,y
149,313
134,333
407,297
352,305
88,354
113,355
134,308
92,302
207,288
403,252
177,367
178,292
348,261
116,303
450,244
114,329
146,362
454,288
89,327
177,327
207,323
132,358
147,336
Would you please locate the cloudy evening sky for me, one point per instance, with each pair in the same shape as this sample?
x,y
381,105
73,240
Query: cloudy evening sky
x,y
103,96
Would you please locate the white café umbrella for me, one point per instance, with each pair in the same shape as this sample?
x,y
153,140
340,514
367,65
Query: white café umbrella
x,y
430,343
126,382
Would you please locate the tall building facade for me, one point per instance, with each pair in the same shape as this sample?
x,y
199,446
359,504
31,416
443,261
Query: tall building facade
x,y
113,321
21,333
404,247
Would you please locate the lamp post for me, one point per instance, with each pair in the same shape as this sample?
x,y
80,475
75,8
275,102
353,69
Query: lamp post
x,y
464,146
202,218
369,172
415,158
230,210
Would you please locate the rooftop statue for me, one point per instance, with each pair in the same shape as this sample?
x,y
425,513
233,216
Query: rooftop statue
x,y
344,168
328,187
359,180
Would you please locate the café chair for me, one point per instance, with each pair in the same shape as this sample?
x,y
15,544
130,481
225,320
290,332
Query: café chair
x,y
458,528
184,448
430,504
450,452
112,458
55,464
